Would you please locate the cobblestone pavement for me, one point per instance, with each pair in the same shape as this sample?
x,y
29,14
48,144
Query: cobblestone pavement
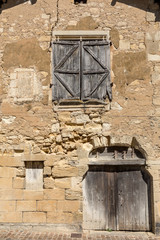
x,y
33,235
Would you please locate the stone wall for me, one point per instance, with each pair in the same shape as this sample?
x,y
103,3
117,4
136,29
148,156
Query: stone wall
x,y
32,129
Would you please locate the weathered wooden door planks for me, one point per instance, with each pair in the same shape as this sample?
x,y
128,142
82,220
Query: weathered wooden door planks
x,y
117,199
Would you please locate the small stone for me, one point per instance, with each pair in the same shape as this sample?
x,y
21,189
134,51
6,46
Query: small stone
x,y
47,171
11,29
121,24
150,17
81,119
154,57
124,44
58,139
106,126
48,183
116,106
55,128
155,77
8,120
96,142
45,16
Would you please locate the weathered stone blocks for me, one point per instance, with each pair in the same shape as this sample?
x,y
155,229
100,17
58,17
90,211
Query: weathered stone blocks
x,y
64,171
47,205
33,195
55,194
10,217
34,217
25,206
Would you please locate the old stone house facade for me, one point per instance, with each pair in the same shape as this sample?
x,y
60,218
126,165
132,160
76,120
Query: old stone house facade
x,y
80,114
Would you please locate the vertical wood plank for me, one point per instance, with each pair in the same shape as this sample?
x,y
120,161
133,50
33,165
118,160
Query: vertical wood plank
x,y
111,208
120,200
144,202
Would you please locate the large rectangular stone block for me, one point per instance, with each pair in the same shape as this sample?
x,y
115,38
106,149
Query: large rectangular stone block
x,y
47,171
33,195
18,183
73,195
64,171
26,206
63,182
46,205
51,159
48,183
59,217
10,217
68,206
7,172
7,206
5,183
13,194
55,194
34,217
8,161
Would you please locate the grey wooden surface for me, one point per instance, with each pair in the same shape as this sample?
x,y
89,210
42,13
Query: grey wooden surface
x,y
117,198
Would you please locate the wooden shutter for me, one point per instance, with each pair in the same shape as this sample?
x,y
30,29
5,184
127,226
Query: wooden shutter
x,y
66,60
81,70
96,70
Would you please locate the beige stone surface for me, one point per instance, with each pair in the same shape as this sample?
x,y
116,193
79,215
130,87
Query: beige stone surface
x,y
11,194
7,206
34,217
73,195
24,206
63,182
68,206
48,182
7,172
18,183
47,171
46,205
10,217
5,183
54,194
10,161
57,217
64,171
32,195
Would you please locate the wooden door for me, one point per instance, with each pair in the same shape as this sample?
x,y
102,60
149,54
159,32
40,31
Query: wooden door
x,y
116,199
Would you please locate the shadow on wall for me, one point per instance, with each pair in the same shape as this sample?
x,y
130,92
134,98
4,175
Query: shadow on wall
x,y
146,5
5,4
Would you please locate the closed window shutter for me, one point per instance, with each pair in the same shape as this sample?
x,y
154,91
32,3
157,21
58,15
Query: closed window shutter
x,y
96,70
81,70
66,82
